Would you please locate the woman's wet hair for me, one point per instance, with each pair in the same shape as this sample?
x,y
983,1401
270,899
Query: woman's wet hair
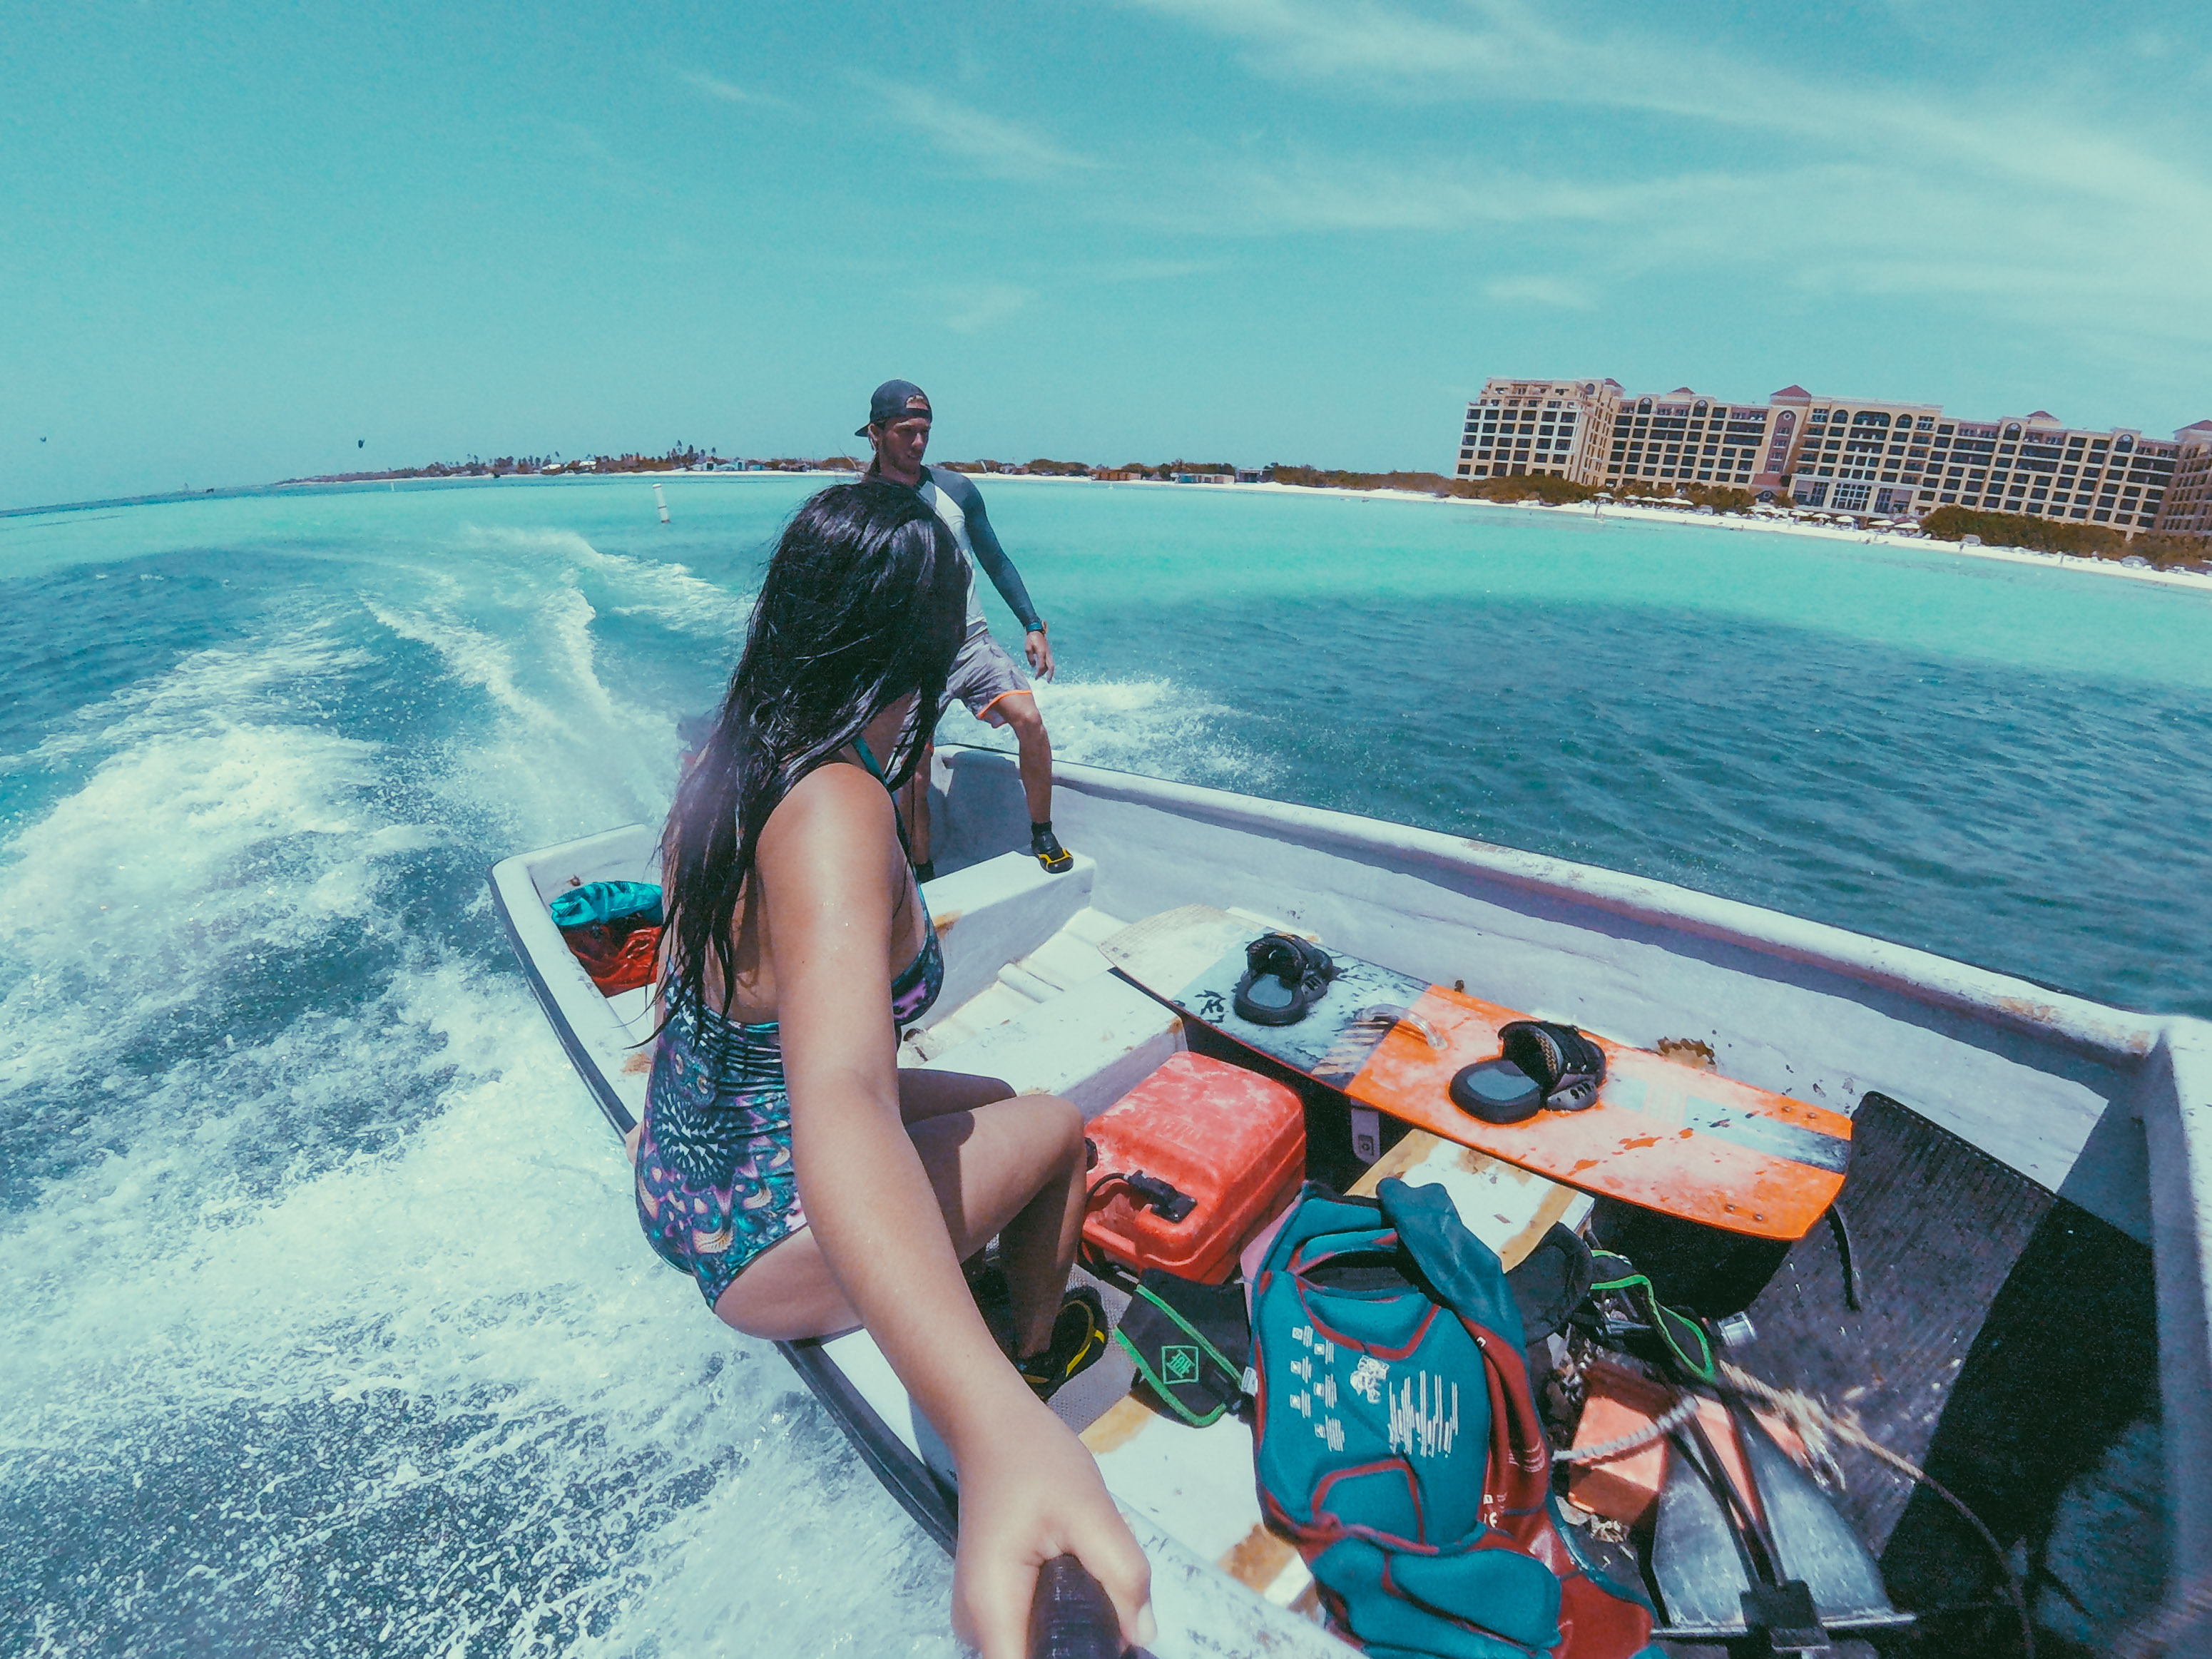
x,y
865,601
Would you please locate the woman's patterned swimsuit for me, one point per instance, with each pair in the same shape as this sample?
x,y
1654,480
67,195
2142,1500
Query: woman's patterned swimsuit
x,y
715,1182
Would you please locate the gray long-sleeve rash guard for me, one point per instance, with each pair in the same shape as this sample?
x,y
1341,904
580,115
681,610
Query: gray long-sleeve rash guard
x,y
959,504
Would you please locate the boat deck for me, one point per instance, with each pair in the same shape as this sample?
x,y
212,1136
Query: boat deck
x,y
2017,1172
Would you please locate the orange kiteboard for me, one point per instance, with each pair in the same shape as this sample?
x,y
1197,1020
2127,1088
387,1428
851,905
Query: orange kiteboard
x,y
1660,1134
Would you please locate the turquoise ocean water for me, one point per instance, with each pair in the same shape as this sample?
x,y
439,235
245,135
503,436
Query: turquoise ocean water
x,y
326,1327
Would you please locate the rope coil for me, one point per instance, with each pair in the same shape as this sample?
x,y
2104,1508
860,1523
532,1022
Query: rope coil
x,y
1658,1429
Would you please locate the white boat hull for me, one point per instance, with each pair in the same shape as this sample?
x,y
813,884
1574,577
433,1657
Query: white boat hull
x,y
2109,1109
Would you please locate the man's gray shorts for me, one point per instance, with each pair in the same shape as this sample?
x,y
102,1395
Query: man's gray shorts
x,y
983,673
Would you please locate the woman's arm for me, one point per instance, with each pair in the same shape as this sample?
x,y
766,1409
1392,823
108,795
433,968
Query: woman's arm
x,y
831,879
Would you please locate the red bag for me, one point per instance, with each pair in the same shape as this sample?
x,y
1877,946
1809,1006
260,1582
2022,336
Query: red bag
x,y
617,958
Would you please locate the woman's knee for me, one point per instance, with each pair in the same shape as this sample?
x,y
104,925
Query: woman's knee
x,y
1040,1121
1060,1123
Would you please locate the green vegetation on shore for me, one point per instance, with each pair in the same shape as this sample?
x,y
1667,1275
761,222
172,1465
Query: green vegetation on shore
x,y
2087,541
1549,490
1315,477
1535,487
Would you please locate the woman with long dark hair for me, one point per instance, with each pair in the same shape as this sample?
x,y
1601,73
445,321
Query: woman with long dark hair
x,y
784,1161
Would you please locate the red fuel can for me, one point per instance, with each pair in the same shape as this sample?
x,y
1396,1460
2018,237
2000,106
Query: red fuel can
x,y
1191,1162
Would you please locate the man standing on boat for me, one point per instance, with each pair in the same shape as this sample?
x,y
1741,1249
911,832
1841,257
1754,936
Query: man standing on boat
x,y
990,682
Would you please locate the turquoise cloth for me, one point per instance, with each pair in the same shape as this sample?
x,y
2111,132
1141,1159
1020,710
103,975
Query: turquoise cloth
x,y
1390,1454
636,902
1388,1348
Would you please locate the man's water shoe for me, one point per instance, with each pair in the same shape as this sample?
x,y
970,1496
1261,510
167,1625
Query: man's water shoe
x,y
1050,852
1079,1335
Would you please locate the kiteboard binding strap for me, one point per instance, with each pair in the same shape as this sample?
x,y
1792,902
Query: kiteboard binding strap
x,y
1284,976
1541,1065
1567,1065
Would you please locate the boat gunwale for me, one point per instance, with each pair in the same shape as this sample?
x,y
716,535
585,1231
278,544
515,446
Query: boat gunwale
x,y
2099,1031
905,1476
581,1057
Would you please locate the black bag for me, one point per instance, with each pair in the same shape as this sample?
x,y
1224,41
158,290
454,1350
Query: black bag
x,y
1190,1343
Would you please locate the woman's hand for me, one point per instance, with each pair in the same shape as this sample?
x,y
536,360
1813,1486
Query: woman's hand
x,y
1029,1491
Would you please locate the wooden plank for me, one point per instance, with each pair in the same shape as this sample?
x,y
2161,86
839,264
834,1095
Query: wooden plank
x,y
1509,1209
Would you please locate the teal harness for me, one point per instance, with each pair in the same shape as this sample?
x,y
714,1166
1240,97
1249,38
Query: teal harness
x,y
1399,1447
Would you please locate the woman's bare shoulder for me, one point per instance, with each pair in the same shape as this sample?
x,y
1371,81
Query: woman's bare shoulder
x,y
836,819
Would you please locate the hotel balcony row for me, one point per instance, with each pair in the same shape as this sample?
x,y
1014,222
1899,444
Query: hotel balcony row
x,y
1838,455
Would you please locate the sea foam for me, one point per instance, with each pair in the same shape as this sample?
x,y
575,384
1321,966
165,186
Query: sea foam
x,y
330,1329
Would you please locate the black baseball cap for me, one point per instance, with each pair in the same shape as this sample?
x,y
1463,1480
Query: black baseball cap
x,y
894,401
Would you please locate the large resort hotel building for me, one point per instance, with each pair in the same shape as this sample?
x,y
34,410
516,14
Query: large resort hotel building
x,y
1838,455
2188,509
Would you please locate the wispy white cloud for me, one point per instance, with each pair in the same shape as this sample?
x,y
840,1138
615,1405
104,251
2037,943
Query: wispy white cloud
x,y
998,149
1362,39
2038,200
981,306
728,92
1308,190
582,141
1509,52
600,164
1147,270
1560,293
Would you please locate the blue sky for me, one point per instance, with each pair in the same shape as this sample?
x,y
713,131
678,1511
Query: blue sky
x,y
235,240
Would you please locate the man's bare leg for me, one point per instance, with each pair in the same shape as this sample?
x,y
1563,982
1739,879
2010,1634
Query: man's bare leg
x,y
1019,712
1036,755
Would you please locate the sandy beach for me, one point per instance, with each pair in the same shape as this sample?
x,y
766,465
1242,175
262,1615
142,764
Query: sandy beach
x,y
1747,523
